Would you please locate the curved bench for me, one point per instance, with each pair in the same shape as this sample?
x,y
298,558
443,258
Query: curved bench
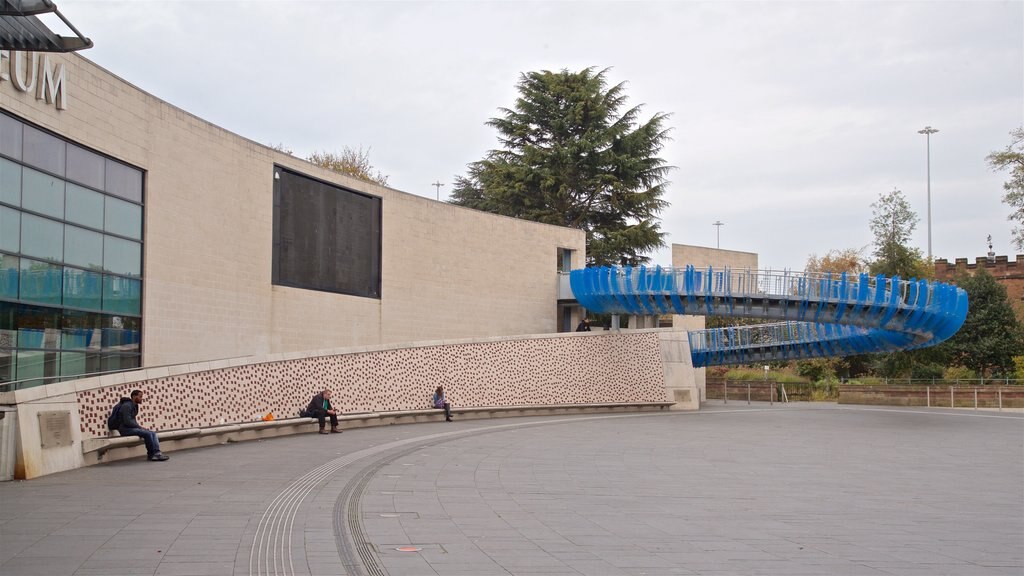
x,y
112,448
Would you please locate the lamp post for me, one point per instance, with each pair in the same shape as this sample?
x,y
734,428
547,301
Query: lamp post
x,y
928,131
438,185
718,233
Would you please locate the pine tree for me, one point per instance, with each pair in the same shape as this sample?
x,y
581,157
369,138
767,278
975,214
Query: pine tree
x,y
570,158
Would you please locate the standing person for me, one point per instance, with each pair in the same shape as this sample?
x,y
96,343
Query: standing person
x,y
123,417
441,404
320,408
583,326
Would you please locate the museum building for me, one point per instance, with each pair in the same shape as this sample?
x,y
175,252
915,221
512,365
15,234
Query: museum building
x,y
134,234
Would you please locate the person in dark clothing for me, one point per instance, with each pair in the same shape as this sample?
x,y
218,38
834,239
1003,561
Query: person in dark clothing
x,y
127,425
441,404
583,326
320,408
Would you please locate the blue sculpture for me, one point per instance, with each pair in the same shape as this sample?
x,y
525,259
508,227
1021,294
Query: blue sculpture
x,y
821,314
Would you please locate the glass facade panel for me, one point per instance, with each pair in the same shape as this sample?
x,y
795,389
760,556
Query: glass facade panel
x,y
111,362
85,167
42,238
83,289
38,365
122,256
43,151
84,206
6,364
10,182
9,273
123,181
10,229
60,315
83,330
83,247
42,193
10,137
122,295
40,282
123,218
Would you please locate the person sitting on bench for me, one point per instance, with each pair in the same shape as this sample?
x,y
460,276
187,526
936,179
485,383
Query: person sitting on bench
x,y
320,408
441,404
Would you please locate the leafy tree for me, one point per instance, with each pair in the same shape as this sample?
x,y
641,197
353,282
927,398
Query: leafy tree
x,y
570,157
350,162
849,260
892,223
991,335
1012,158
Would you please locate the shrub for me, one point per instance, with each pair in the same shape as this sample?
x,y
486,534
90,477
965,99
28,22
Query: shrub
x,y
959,373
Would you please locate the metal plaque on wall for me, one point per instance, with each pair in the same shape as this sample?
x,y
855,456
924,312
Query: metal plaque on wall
x,y
55,428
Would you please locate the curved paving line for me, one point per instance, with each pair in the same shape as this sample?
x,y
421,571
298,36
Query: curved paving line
x,y
271,552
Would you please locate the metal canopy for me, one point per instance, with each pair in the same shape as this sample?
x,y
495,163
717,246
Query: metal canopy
x,y
21,30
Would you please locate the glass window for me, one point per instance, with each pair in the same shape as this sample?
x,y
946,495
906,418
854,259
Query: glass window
x,y
34,364
40,282
6,365
10,182
83,247
82,289
123,218
42,193
85,167
9,271
122,256
10,137
82,330
84,206
43,151
10,229
111,362
122,295
8,328
41,237
123,181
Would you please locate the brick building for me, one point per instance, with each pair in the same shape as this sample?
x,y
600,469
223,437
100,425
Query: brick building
x,y
1009,273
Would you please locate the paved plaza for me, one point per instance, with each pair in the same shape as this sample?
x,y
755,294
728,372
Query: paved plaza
x,y
796,489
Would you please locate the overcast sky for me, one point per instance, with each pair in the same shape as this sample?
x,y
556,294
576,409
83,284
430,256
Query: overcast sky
x,y
788,118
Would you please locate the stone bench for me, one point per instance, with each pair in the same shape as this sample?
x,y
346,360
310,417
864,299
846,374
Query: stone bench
x,y
115,447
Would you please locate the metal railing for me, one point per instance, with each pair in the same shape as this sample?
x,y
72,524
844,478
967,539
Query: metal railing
x,y
824,314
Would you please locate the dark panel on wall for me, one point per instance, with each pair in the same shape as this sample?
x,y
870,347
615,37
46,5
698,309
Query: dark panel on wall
x,y
325,237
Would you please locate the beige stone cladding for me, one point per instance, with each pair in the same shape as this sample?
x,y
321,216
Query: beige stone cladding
x,y
446,271
702,257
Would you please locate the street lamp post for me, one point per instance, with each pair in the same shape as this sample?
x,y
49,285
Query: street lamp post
x,y
718,233
928,131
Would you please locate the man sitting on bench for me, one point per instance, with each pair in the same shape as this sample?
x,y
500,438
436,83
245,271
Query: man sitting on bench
x,y
123,420
320,408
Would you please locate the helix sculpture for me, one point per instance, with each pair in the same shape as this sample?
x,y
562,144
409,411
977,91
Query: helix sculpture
x,y
821,314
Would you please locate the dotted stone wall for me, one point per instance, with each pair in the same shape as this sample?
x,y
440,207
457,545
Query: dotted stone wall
x,y
593,368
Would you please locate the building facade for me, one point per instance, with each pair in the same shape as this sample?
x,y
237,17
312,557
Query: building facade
x,y
133,233
1009,273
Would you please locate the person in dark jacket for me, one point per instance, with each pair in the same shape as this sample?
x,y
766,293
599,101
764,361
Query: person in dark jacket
x,y
583,326
320,408
128,410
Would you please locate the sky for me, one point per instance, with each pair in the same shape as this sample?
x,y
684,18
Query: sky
x,y
788,119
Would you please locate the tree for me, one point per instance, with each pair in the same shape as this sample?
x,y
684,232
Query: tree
x,y
350,162
1013,159
892,223
991,335
849,260
280,147
569,157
